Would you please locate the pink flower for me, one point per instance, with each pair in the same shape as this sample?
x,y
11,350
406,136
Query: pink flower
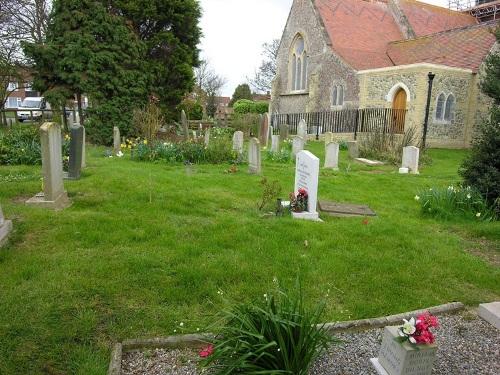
x,y
206,352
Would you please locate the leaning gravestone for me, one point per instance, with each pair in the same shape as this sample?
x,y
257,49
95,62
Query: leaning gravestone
x,y
117,145
410,158
185,126
75,152
332,155
275,143
396,358
264,129
238,142
307,177
5,228
207,137
353,148
53,195
297,144
254,162
284,131
302,130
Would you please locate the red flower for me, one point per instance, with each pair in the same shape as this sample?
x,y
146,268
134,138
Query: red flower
x,y
206,352
365,222
428,320
303,192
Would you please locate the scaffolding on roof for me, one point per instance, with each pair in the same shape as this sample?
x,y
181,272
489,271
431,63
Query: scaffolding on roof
x,y
483,10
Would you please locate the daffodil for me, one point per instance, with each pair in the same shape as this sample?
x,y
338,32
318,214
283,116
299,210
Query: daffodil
x,y
478,214
468,196
417,198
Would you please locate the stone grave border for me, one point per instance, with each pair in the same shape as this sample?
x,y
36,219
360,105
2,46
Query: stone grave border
x,y
198,341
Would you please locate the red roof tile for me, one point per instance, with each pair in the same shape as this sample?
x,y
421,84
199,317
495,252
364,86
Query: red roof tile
x,y
464,48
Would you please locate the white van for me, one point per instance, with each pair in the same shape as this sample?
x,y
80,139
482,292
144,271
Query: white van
x,y
31,109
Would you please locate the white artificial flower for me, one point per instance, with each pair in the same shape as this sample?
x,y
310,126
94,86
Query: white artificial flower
x,y
119,154
181,324
412,340
478,214
409,326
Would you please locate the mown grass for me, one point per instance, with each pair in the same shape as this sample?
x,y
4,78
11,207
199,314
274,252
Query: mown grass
x,y
116,265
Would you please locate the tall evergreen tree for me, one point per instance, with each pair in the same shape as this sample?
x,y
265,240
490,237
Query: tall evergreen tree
x,y
241,92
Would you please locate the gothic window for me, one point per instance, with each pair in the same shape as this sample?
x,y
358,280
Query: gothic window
x,y
440,107
338,95
299,64
449,111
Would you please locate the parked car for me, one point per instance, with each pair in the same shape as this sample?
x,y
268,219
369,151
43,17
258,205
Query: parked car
x,y
34,108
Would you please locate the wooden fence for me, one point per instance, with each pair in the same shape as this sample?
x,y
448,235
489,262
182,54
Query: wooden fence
x,y
364,120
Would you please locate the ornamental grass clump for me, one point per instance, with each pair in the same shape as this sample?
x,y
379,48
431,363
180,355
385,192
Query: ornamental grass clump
x,y
456,202
277,336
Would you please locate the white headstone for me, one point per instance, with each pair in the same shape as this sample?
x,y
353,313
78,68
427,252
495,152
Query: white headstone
x,y
297,145
302,129
332,155
396,358
307,177
410,158
353,148
238,141
275,143
117,145
254,162
5,228
491,313
207,137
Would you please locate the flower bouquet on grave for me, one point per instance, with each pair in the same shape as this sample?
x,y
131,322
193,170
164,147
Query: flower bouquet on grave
x,y
298,202
418,331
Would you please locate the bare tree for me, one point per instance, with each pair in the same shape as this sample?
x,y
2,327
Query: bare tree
x,y
264,76
208,86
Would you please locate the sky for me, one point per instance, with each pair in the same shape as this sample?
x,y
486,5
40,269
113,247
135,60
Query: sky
x,y
234,31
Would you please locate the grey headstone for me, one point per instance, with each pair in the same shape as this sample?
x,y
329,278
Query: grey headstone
x,y
275,143
238,141
284,131
264,129
332,155
117,144
353,148
491,313
185,126
5,228
254,157
207,137
297,145
329,138
302,129
75,152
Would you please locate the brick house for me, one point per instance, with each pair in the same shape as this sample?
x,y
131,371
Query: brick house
x,y
18,91
338,54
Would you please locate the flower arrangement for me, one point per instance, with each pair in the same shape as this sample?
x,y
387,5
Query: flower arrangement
x,y
298,202
417,331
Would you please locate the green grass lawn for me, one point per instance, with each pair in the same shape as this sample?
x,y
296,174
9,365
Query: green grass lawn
x,y
116,265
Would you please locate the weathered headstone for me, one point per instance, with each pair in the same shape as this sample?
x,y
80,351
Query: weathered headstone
x,y
264,129
302,130
329,138
297,145
396,358
185,125
207,137
53,195
75,152
307,177
254,162
84,153
410,158
275,143
353,148
5,228
238,141
491,313
332,155
284,131
117,144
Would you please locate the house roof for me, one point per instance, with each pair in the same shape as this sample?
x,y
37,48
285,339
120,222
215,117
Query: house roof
x,y
362,31
465,47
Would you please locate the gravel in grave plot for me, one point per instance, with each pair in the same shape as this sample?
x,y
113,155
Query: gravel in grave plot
x,y
467,346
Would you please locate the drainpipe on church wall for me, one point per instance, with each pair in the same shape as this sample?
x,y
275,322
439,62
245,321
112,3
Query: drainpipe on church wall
x,y
427,107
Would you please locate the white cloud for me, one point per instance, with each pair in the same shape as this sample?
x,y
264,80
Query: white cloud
x,y
234,31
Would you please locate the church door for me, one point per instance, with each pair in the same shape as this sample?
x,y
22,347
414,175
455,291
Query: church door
x,y
399,111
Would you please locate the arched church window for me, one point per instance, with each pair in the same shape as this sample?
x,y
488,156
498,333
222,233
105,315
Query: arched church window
x,y
299,64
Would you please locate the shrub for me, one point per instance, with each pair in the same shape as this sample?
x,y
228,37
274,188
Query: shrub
x,y
277,336
261,107
282,156
244,106
148,121
453,202
193,109
270,193
247,123
482,168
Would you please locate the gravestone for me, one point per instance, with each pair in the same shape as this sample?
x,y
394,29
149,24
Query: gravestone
x,y
117,145
396,358
5,228
284,131
302,130
207,137
254,162
307,177
297,145
238,142
75,152
353,148
275,143
84,153
185,126
264,129
410,158
53,195
332,155
491,313
329,138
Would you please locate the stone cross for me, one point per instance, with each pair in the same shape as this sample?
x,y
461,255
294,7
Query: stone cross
x,y
307,177
275,143
264,129
302,129
332,155
284,131
353,148
117,144
297,145
238,141
254,157
410,158
75,152
53,195
207,137
185,126
5,228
